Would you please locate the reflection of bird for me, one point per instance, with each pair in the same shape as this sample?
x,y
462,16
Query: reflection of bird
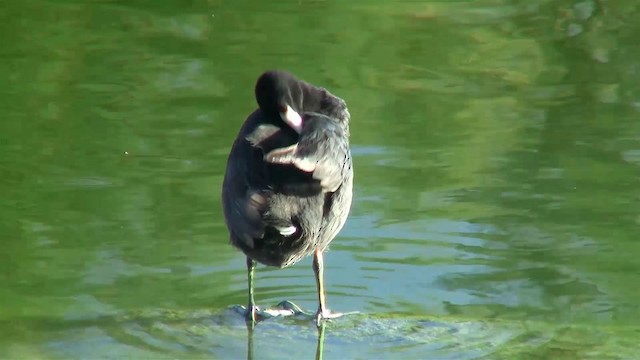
x,y
288,183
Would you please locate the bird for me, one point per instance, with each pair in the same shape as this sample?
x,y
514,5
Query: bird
x,y
288,184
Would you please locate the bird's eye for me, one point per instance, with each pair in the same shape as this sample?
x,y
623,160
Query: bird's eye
x,y
283,109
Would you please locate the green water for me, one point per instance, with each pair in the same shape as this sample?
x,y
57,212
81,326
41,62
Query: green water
x,y
497,154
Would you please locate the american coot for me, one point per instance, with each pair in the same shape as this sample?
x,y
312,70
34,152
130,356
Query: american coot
x,y
288,184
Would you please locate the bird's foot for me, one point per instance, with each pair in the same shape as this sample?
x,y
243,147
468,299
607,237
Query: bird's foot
x,y
285,308
326,314
292,308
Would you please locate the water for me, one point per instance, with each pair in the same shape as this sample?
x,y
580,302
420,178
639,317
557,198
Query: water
x,y
496,147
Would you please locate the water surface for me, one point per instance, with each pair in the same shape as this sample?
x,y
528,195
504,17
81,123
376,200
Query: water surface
x,y
496,147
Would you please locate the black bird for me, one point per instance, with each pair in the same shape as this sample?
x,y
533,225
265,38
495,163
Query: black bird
x,y
288,185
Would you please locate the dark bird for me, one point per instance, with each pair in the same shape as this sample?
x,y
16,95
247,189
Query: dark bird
x,y
288,184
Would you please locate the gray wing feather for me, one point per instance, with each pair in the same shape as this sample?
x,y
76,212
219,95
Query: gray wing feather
x,y
331,157
323,150
262,134
244,208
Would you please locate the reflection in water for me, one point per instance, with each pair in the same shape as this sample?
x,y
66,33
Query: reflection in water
x,y
320,344
251,325
251,328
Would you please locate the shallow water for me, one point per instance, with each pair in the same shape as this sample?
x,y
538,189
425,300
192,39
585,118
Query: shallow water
x,y
496,148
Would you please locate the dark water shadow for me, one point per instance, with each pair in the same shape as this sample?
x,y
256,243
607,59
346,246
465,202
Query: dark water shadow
x,y
250,340
170,334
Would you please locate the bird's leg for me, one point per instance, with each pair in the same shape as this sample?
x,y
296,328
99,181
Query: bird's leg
x,y
251,306
254,313
318,269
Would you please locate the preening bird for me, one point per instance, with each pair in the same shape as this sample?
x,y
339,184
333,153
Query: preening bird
x,y
288,183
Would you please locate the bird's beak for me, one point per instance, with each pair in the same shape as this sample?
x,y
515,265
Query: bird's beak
x,y
292,118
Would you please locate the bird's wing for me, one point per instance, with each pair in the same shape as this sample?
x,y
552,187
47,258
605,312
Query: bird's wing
x,y
245,197
323,152
261,135
243,206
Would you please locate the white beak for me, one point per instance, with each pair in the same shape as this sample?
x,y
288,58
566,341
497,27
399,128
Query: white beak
x,y
292,118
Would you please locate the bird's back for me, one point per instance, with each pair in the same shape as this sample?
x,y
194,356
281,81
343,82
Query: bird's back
x,y
264,201
259,198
